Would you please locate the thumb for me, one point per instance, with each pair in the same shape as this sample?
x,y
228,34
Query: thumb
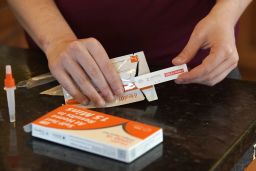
x,y
188,52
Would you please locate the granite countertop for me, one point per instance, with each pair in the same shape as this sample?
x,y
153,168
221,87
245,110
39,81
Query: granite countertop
x,y
205,128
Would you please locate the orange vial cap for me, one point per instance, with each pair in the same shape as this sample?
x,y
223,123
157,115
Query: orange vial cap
x,y
9,81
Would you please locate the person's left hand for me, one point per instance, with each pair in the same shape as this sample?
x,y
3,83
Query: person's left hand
x,y
217,35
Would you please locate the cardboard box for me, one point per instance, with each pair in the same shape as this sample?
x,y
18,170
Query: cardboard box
x,y
96,132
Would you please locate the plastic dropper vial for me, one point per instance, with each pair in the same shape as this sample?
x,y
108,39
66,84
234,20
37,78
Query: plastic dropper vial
x,y
9,87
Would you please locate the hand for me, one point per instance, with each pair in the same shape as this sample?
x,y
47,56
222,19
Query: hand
x,y
81,67
217,35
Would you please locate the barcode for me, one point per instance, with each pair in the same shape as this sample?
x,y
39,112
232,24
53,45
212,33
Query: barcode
x,y
121,154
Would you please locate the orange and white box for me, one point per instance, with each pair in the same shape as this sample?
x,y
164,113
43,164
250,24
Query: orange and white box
x,y
96,132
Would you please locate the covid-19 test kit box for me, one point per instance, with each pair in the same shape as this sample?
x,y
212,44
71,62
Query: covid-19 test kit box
x,y
96,132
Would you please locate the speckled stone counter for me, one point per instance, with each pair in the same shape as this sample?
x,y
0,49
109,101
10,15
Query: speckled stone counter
x,y
205,128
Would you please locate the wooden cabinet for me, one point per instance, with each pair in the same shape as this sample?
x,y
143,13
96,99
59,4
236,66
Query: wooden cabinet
x,y
246,43
11,33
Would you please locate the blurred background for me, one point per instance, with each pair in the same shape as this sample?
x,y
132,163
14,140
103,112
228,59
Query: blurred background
x,y
11,34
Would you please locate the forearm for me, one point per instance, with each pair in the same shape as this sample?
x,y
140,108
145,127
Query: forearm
x,y
43,21
229,11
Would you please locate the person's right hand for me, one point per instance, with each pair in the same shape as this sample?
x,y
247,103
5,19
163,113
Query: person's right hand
x,y
83,68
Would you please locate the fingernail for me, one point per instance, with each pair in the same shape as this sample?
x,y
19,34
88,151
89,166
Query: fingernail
x,y
177,60
110,98
119,92
101,103
85,102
